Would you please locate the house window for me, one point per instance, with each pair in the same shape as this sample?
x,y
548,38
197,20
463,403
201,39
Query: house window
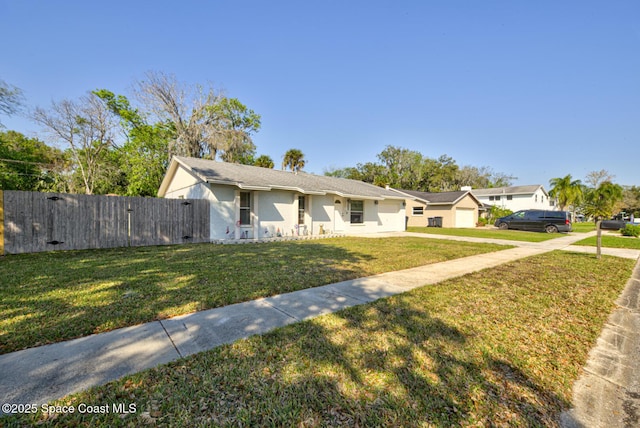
x,y
418,211
535,198
245,208
497,198
357,212
491,198
509,197
300,209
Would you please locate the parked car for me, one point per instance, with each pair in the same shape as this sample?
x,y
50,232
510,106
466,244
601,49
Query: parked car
x,y
537,220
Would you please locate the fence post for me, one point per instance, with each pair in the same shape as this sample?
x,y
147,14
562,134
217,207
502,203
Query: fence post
x,y
1,223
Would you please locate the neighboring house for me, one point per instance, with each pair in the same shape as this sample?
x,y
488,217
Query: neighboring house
x,y
516,198
252,202
457,209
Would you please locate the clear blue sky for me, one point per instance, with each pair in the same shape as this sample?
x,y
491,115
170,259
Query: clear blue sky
x,y
534,89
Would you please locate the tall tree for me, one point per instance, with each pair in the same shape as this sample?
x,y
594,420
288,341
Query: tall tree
x,y
601,201
264,161
631,200
568,192
407,169
481,177
403,167
294,160
144,156
594,178
441,174
186,108
28,163
206,123
235,124
87,128
11,99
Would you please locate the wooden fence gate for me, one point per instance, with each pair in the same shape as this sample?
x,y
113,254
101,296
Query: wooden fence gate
x,y
36,222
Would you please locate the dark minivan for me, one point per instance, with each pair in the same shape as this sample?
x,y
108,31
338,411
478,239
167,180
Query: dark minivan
x,y
537,220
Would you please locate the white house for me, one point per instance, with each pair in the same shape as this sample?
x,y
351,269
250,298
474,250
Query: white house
x,y
516,198
252,202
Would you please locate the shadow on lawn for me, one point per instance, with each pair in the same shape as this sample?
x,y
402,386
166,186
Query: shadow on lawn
x,y
385,364
437,377
49,297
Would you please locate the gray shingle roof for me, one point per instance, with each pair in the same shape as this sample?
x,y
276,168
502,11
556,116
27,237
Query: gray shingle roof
x,y
256,178
437,197
513,190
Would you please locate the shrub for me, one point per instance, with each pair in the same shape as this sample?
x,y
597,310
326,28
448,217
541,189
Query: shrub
x,y
497,212
482,222
631,230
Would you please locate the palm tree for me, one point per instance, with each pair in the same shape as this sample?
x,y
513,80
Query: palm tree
x,y
568,192
264,161
601,202
294,160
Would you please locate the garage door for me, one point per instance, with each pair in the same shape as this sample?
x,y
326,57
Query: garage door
x,y
465,217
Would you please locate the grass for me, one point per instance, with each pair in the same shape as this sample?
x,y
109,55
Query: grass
x,y
583,227
501,347
512,235
51,297
612,241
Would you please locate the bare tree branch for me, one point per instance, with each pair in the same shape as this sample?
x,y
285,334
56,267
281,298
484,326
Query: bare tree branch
x,y
86,126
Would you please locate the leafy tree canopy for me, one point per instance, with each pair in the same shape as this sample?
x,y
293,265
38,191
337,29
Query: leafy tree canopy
x,y
28,163
408,169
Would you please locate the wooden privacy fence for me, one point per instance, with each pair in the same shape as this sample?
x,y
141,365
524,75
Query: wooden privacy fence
x,y
36,222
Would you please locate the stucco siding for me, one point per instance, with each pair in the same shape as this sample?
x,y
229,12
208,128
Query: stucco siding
x,y
391,216
223,212
447,212
277,214
416,220
185,185
322,212
444,211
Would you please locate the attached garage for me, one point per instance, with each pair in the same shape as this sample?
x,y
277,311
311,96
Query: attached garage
x,y
456,209
465,217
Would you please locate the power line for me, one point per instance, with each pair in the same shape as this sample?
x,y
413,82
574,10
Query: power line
x,y
21,173
21,161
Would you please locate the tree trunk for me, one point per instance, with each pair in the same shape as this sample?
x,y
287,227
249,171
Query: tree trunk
x,y
598,240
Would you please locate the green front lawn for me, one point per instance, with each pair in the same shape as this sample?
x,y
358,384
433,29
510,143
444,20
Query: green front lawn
x,y
50,297
583,227
512,235
612,241
501,347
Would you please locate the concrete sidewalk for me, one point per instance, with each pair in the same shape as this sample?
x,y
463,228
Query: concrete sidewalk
x,y
607,394
39,375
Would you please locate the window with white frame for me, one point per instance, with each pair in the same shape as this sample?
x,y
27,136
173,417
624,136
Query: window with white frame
x,y
301,209
245,208
357,212
418,211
